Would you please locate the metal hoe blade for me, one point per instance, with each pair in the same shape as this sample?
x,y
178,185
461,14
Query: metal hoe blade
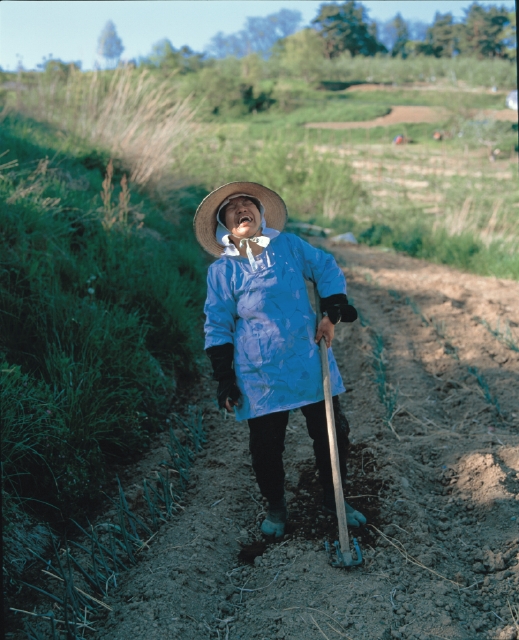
x,y
343,559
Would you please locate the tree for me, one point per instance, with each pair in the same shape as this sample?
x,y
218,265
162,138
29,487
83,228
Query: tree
x,y
109,45
258,36
401,37
483,32
165,57
509,37
442,38
222,46
417,29
57,68
301,55
394,34
344,27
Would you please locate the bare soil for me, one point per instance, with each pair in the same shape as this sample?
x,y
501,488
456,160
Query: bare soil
x,y
398,114
460,86
433,406
401,114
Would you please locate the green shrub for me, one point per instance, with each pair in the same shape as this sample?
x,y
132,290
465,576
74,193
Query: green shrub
x,y
375,234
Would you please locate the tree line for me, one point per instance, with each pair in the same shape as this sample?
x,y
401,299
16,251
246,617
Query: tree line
x,y
338,29
483,32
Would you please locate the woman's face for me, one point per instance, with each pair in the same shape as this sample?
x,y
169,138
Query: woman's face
x,y
242,217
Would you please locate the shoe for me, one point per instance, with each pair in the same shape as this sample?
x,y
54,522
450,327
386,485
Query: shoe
x,y
274,523
353,518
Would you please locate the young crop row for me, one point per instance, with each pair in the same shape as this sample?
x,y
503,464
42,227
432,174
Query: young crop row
x,y
450,349
79,575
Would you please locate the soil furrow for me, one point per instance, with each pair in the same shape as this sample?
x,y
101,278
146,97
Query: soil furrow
x,y
432,466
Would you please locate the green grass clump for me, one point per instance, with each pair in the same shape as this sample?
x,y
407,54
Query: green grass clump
x,y
314,187
464,250
100,295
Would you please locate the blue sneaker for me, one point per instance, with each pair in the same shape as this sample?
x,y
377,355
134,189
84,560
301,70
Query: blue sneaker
x,y
274,523
353,518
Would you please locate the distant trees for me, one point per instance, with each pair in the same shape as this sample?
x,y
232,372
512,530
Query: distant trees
x,y
344,27
165,57
56,67
442,38
258,36
301,54
401,37
338,28
482,32
485,31
109,45
509,36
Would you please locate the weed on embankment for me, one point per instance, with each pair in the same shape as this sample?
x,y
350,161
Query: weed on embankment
x,y
101,294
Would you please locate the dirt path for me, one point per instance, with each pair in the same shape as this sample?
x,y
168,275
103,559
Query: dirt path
x,y
411,114
398,114
432,372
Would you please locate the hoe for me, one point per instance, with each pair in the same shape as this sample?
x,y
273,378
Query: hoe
x,y
343,555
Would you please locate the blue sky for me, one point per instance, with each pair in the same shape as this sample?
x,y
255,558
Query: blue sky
x,y
69,29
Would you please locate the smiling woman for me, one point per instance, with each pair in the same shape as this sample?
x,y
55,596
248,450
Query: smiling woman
x,y
242,216
261,333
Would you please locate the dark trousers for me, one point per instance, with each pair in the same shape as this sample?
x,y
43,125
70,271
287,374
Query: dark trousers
x,y
267,444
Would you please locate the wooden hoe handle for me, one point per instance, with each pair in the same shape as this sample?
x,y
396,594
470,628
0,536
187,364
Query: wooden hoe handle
x,y
332,438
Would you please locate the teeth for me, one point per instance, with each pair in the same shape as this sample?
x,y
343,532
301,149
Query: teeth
x,y
245,218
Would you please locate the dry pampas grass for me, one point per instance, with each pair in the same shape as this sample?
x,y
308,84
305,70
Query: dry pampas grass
x,y
128,112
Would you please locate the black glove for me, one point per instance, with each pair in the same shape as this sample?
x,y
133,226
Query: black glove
x,y
222,359
337,308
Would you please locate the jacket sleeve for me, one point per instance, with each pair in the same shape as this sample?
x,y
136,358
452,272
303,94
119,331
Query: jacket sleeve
x,y
220,307
319,267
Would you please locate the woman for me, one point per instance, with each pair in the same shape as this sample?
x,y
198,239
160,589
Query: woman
x,y
261,338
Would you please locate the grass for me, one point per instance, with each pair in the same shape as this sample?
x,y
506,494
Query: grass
x,y
101,291
457,72
134,115
312,184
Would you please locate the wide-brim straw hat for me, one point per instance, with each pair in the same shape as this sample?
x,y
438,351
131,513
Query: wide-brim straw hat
x,y
205,222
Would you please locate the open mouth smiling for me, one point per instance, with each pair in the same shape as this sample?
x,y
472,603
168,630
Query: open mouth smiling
x,y
245,219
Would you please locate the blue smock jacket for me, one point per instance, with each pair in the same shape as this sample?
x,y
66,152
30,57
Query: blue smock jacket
x,y
267,316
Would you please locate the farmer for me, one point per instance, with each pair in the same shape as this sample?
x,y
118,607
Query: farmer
x,y
260,334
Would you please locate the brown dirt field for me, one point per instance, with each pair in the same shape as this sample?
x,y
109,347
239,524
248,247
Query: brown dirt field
x,y
425,86
507,115
412,114
399,114
432,403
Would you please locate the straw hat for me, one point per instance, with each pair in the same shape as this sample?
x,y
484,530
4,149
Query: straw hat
x,y
205,222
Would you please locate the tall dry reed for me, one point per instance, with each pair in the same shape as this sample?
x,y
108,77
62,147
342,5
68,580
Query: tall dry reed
x,y
127,111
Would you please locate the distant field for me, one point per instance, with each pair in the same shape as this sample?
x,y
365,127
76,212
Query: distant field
x,y
428,198
424,196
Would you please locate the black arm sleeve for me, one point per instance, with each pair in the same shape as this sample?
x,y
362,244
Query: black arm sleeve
x,y
338,309
222,359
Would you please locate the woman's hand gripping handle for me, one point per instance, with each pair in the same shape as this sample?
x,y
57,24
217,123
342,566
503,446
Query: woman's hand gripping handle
x,y
325,330
334,309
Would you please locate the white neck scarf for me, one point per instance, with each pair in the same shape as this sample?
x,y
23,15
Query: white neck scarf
x,y
230,249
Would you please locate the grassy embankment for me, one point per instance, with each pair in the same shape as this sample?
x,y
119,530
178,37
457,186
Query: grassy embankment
x,y
101,292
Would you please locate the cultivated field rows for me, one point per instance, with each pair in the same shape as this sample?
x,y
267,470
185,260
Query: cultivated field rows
x,y
431,369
